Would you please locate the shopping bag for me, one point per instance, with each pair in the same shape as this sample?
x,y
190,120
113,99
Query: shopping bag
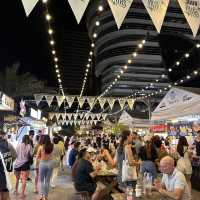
x,y
8,181
129,173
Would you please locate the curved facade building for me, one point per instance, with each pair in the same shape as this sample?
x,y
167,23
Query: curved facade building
x,y
113,47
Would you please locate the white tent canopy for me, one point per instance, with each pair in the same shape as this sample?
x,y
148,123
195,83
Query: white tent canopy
x,y
178,102
125,118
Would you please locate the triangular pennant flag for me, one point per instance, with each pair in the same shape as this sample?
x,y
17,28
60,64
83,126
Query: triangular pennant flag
x,y
51,115
122,103
67,123
130,103
157,10
70,100
92,116
63,116
38,98
81,101
57,116
87,116
81,115
49,99
60,100
111,102
79,122
75,116
78,7
119,10
29,5
104,116
191,10
102,102
69,115
98,116
91,101
95,122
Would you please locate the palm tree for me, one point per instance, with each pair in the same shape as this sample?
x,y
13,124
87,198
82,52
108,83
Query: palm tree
x,y
15,84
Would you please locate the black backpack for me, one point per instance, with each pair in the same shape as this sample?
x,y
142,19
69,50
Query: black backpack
x,y
7,156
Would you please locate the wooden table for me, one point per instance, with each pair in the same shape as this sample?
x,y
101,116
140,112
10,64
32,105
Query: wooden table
x,y
122,196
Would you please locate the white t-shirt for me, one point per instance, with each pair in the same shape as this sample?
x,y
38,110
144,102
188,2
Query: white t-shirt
x,y
177,180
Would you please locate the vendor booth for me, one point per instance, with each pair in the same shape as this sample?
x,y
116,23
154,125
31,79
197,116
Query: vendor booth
x,y
6,103
180,108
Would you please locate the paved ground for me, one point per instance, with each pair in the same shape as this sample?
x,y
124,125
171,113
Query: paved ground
x,y
65,190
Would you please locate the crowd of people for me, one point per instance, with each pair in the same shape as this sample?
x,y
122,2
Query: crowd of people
x,y
87,155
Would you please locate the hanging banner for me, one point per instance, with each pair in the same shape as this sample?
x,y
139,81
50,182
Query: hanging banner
x,y
157,10
119,9
78,7
102,102
81,101
191,10
49,99
70,100
60,100
122,103
29,5
130,103
38,98
111,102
90,101
69,115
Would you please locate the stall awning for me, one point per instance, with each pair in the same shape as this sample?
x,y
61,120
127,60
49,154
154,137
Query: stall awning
x,y
178,102
6,103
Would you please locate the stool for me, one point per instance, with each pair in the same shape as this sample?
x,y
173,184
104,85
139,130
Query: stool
x,y
83,195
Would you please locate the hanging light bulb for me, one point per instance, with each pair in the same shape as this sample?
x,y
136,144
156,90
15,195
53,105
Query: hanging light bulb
x,y
52,42
100,8
140,46
187,55
177,63
134,54
50,31
44,1
91,53
169,69
198,45
92,45
129,61
195,72
97,23
48,17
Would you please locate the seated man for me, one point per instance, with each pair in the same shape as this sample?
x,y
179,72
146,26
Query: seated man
x,y
173,183
85,174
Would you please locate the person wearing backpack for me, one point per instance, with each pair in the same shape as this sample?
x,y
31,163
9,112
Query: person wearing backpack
x,y
9,155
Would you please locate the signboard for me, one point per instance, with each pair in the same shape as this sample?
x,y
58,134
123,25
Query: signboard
x,y
6,103
35,113
158,128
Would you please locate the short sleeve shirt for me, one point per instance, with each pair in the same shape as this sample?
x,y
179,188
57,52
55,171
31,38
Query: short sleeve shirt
x,y
177,180
84,168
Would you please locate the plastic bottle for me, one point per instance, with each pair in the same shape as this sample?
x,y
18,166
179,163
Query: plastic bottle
x,y
129,193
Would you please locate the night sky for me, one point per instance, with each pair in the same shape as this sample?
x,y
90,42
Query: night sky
x,y
25,40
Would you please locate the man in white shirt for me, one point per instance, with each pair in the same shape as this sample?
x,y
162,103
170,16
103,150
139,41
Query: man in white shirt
x,y
173,183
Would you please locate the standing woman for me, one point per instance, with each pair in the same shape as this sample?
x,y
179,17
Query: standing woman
x,y
44,156
22,163
184,163
124,149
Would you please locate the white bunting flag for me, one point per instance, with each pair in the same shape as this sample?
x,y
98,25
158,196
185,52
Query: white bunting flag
x,y
92,116
157,10
51,115
111,102
57,116
63,116
49,99
38,98
90,101
87,116
75,116
70,122
95,122
67,123
81,115
70,100
29,5
60,100
119,9
102,102
104,116
78,7
79,122
81,101
191,10
130,103
98,116
69,115
122,103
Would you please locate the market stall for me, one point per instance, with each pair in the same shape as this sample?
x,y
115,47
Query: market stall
x,y
6,103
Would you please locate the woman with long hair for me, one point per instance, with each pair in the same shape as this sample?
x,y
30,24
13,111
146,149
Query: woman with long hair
x,y
44,156
125,150
22,163
184,163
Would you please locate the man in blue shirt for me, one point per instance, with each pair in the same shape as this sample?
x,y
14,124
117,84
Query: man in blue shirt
x,y
73,153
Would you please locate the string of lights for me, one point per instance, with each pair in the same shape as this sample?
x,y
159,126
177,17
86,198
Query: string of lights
x,y
50,31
